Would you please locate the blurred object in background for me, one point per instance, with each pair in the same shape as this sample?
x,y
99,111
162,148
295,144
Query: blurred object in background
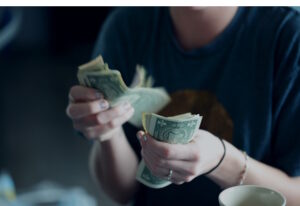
x,y
38,66
10,20
48,193
45,193
7,188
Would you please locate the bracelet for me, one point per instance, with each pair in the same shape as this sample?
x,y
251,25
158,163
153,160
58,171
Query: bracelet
x,y
245,169
221,160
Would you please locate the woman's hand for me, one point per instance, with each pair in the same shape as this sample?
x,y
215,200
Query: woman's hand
x,y
187,161
92,115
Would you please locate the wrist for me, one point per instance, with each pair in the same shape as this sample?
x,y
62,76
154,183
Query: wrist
x,y
111,135
220,155
228,172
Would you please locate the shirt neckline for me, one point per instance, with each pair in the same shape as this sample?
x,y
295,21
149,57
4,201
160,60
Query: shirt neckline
x,y
218,44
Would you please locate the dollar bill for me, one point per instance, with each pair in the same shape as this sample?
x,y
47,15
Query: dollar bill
x,y
96,74
174,130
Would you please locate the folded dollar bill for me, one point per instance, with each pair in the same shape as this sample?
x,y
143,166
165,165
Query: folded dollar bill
x,y
174,130
143,98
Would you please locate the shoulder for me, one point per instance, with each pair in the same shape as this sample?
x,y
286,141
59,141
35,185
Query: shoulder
x,y
287,45
276,31
288,20
273,20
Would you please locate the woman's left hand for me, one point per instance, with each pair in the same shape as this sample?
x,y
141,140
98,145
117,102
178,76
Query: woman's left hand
x,y
187,161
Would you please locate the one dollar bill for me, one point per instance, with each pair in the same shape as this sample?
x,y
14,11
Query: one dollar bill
x,y
96,74
174,130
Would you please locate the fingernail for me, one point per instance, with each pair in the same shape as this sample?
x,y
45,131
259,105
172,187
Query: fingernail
x,y
145,137
103,104
99,95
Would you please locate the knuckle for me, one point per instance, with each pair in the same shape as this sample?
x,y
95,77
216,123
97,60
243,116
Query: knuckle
x,y
90,107
188,178
112,123
117,110
73,89
195,156
101,118
178,182
160,162
193,171
90,94
71,111
165,153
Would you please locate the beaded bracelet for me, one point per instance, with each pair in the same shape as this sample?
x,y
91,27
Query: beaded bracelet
x,y
245,169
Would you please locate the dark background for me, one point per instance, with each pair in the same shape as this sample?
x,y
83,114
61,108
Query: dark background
x,y
38,67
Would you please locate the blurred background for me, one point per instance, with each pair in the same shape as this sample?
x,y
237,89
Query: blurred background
x,y
40,50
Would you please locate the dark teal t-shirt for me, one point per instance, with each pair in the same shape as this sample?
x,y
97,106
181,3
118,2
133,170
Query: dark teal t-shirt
x,y
251,69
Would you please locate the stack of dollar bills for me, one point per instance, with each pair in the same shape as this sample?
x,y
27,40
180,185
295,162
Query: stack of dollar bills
x,y
96,74
174,130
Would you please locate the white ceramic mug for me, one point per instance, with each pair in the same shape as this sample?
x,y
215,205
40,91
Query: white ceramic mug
x,y
251,195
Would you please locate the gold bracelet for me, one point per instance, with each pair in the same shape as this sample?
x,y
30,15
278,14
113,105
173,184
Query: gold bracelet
x,y
245,169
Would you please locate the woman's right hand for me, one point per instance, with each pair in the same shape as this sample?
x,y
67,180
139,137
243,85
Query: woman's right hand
x,y
92,115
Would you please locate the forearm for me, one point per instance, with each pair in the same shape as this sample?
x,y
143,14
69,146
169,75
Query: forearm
x,y
229,173
114,164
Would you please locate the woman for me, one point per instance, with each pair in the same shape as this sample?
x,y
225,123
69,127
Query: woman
x,y
238,67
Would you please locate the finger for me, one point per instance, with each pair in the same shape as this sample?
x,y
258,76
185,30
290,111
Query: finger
x,y
103,132
185,168
82,94
109,115
181,166
101,118
178,183
94,132
176,178
79,110
153,147
169,151
84,122
118,121
93,121
151,161
163,173
140,135
156,171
